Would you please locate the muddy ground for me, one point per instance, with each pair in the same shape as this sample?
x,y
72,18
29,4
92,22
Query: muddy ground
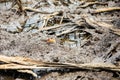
x,y
24,34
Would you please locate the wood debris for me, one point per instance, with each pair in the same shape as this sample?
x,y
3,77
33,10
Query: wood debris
x,y
25,65
109,9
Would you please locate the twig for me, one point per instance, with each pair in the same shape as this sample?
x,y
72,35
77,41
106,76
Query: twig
x,y
56,26
19,3
1,1
28,72
106,9
95,24
91,3
66,32
36,10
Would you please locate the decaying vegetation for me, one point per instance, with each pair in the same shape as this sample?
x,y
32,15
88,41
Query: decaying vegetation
x,y
86,36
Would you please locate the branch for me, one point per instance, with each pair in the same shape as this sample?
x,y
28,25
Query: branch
x,y
91,3
106,9
18,63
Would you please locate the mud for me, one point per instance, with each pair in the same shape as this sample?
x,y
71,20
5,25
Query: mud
x,y
20,36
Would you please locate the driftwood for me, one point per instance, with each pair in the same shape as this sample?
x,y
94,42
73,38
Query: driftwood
x,y
25,65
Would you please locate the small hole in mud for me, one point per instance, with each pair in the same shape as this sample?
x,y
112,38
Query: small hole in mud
x,y
42,55
92,14
52,33
116,2
114,51
90,27
47,52
108,45
65,20
30,54
118,15
112,15
56,59
99,32
118,58
60,13
96,39
78,77
28,51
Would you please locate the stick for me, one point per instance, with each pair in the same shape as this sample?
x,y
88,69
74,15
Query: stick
x,y
66,32
96,24
56,26
106,9
33,64
36,10
91,3
26,65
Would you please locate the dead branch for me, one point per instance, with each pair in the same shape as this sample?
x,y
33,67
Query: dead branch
x,y
4,1
106,9
91,3
26,63
35,10
66,31
56,26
